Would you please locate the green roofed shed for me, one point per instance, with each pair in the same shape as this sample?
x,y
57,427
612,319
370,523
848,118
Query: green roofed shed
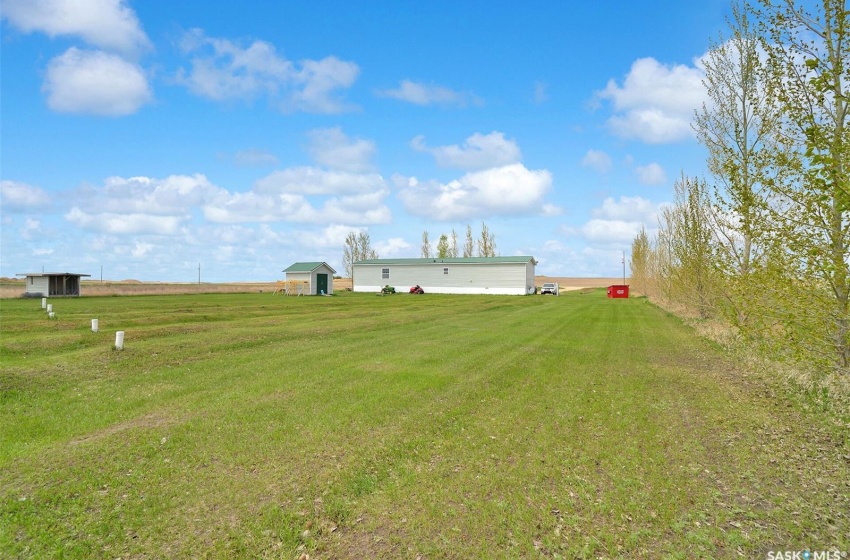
x,y
319,276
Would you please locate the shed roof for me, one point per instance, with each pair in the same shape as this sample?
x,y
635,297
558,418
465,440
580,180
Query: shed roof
x,y
307,267
452,260
37,274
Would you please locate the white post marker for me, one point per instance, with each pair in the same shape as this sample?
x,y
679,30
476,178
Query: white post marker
x,y
119,340
94,325
44,303
49,307
52,315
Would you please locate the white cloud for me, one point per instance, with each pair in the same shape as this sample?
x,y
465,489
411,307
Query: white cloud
x,y
21,197
556,257
652,174
653,126
107,24
425,94
226,253
95,82
366,208
42,252
255,157
392,247
323,241
479,151
231,71
223,70
362,209
108,222
174,195
656,102
617,222
317,181
580,260
236,235
318,80
140,249
332,236
595,159
631,208
252,207
163,206
550,210
141,205
333,149
507,190
610,231
31,229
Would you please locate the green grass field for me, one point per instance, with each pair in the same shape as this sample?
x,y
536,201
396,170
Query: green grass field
x,y
356,426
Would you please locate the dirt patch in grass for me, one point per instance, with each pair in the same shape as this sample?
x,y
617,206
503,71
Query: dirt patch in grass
x,y
148,421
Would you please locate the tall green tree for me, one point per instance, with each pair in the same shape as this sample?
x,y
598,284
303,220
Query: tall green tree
x,y
639,263
689,238
469,243
486,243
661,262
357,246
808,54
425,251
453,246
738,127
443,247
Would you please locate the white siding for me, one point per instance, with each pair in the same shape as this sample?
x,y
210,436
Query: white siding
x,y
462,278
529,277
38,285
298,276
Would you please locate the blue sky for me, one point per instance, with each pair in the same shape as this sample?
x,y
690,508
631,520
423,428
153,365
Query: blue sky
x,y
144,138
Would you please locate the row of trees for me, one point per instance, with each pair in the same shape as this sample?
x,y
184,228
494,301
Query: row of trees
x,y
358,246
447,247
764,241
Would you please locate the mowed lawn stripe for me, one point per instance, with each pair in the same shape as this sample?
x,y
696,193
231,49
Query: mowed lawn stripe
x,y
353,426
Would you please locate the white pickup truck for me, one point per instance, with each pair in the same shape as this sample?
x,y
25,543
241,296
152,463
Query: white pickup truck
x,y
549,288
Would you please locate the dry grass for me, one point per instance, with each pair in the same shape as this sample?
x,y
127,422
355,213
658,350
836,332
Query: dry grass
x,y
826,391
13,288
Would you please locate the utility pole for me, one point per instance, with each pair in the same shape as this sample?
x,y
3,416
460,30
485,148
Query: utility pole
x,y
624,268
199,273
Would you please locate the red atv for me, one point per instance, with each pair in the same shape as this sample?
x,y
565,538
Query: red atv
x,y
416,290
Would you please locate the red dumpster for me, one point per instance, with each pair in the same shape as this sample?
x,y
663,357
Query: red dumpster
x,y
618,291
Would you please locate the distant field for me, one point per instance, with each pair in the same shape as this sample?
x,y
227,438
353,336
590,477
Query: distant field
x,y
15,288
570,283
364,426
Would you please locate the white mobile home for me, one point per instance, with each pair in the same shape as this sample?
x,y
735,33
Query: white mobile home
x,y
472,275
41,284
318,276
